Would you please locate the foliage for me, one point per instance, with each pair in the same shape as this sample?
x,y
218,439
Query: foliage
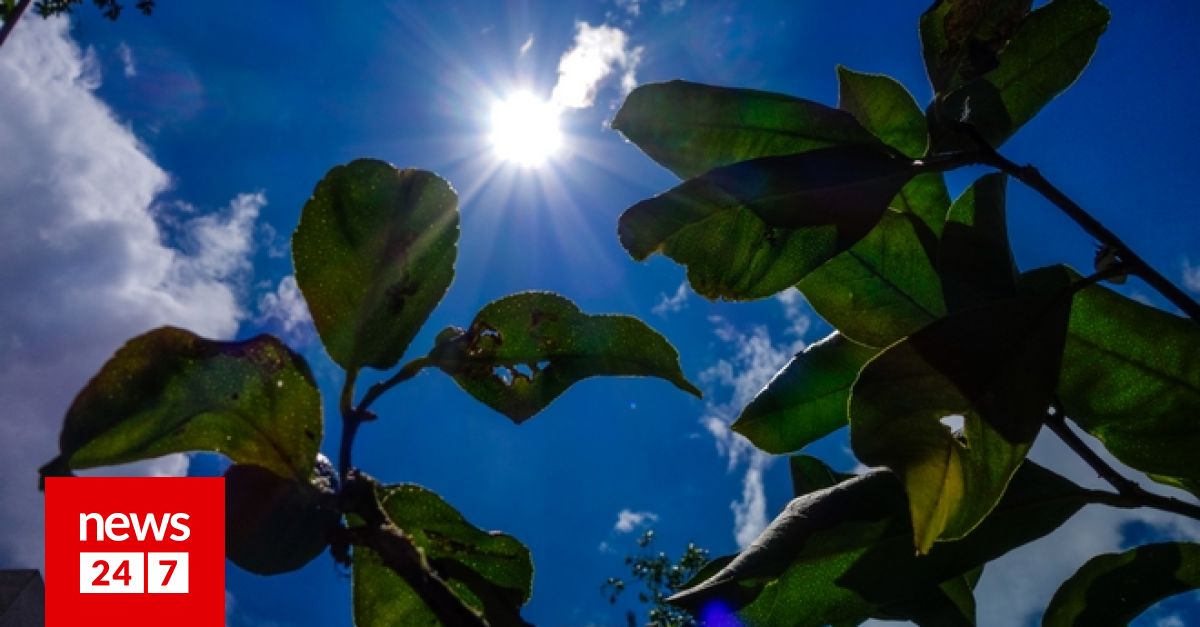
x,y
374,254
109,8
933,321
660,577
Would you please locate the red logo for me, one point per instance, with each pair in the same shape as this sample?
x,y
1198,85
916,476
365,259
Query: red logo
x,y
135,552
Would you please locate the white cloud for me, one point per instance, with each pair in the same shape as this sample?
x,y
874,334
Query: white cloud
x,y
525,47
632,7
756,358
671,6
750,513
674,303
286,310
598,52
628,520
128,63
1170,621
83,261
1191,277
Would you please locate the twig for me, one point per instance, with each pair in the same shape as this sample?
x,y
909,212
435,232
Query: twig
x,y
1030,176
10,20
350,422
406,372
1129,493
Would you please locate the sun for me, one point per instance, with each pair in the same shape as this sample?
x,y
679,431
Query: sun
x,y
525,129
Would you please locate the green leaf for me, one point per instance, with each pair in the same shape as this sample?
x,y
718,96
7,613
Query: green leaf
x,y
847,186
691,128
170,391
882,289
810,474
275,525
524,350
996,366
807,399
961,39
825,200
1131,378
1114,588
926,197
491,572
1048,52
845,553
885,108
374,253
975,261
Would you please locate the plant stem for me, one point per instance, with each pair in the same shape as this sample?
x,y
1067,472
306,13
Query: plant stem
x,y
350,422
1030,176
1129,493
10,21
406,372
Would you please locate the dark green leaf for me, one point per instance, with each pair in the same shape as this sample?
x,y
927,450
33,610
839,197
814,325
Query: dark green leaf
x,y
926,197
524,350
490,571
882,289
975,262
1131,377
996,366
826,199
885,108
810,474
845,553
1113,589
847,186
275,525
807,399
374,253
961,39
691,128
1048,52
170,391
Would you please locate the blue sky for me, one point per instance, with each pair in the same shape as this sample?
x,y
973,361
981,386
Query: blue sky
x,y
192,139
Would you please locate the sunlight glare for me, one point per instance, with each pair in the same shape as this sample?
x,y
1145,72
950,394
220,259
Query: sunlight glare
x,y
525,129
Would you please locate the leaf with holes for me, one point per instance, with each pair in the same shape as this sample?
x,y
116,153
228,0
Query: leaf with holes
x,y
885,108
275,525
1047,53
996,366
374,253
491,572
1131,378
170,391
845,554
524,350
821,201
1113,589
961,40
691,128
806,400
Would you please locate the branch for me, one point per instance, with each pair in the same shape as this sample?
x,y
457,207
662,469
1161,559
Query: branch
x,y
10,21
1129,493
1030,176
350,421
400,555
